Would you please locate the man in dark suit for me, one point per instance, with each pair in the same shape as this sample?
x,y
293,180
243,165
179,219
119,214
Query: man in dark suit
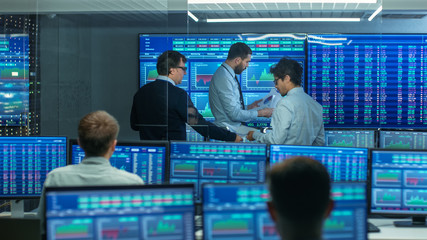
x,y
160,109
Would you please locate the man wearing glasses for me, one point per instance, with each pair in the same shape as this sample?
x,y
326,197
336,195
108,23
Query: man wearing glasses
x,y
160,109
297,119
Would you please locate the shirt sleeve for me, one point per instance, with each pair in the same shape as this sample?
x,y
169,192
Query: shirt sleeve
x,y
231,106
281,122
320,138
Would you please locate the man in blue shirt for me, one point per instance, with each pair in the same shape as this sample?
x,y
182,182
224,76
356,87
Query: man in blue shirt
x,y
225,94
297,118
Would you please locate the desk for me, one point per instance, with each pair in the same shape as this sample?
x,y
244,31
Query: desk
x,y
390,232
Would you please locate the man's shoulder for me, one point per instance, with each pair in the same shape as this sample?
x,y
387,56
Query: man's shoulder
x,y
127,176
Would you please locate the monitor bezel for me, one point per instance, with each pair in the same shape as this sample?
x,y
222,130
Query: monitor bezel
x,y
142,143
24,197
369,184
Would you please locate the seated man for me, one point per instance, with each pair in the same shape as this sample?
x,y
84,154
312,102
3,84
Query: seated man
x,y
300,198
97,137
160,109
297,118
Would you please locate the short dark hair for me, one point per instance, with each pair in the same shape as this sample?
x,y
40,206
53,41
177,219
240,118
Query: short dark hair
x,y
300,190
97,131
239,49
289,67
167,60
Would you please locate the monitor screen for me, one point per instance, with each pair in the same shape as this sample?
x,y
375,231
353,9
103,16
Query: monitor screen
x,y
368,80
403,139
193,135
125,212
25,162
147,159
343,163
205,162
398,182
14,79
239,211
350,138
206,52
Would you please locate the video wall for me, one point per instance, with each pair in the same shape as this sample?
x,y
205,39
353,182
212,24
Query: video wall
x,y
205,53
362,81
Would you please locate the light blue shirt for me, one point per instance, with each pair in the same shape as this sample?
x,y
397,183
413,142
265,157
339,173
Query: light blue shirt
x,y
224,99
297,120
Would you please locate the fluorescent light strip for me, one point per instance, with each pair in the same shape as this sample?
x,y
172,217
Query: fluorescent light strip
x,y
375,13
190,14
222,20
275,35
278,1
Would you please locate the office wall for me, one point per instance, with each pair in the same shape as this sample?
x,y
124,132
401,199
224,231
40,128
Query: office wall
x,y
90,62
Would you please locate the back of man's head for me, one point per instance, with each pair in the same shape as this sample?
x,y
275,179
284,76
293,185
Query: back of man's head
x,y
167,60
239,49
289,67
97,132
300,191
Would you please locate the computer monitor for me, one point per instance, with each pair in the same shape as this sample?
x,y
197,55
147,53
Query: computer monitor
x,y
343,163
398,182
147,159
193,135
25,162
403,139
120,212
350,138
239,211
205,162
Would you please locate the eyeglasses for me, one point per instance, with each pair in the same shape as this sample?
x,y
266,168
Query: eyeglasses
x,y
276,80
183,68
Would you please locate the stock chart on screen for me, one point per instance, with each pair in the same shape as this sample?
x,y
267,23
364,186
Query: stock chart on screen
x,y
342,163
157,212
14,79
239,211
206,162
350,138
399,182
26,161
403,140
145,159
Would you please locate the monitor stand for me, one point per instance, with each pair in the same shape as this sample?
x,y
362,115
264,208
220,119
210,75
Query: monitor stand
x,y
17,208
416,222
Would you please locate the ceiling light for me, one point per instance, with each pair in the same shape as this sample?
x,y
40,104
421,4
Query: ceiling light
x,y
192,16
278,1
221,20
375,13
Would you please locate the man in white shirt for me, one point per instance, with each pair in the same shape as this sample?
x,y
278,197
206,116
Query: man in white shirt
x,y
225,94
297,118
97,132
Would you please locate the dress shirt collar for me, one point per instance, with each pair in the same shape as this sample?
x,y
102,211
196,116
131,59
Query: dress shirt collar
x,y
229,69
166,78
295,90
96,161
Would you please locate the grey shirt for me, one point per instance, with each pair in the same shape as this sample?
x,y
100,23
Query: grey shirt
x,y
224,99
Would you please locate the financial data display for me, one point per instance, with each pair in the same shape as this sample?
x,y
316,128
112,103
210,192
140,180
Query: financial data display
x,y
214,162
14,79
350,138
342,163
193,135
403,140
25,162
159,213
146,161
399,182
206,52
239,211
369,80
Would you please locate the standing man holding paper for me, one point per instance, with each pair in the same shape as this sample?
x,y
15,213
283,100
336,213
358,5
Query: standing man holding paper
x,y
225,93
